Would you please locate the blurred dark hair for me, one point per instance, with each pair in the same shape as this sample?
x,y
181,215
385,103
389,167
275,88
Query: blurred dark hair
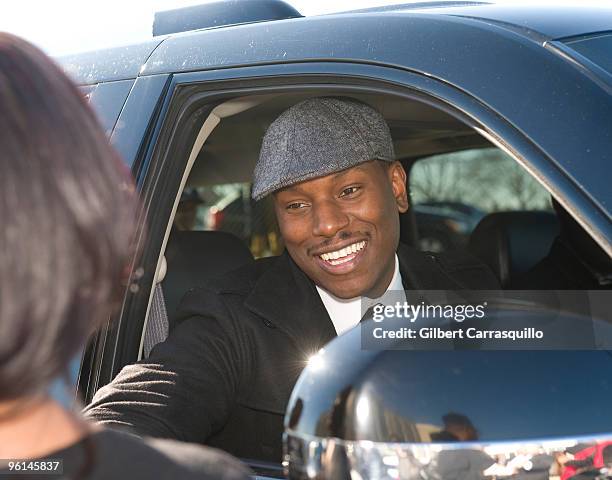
x,y
67,212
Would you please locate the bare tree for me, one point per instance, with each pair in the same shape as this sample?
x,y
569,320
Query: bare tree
x,y
487,179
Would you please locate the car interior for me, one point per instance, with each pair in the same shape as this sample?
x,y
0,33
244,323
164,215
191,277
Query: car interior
x,y
465,192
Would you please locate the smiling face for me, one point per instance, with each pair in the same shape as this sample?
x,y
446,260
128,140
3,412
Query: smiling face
x,y
342,230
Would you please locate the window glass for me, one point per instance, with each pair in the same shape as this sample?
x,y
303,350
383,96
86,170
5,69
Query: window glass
x,y
451,193
229,208
107,99
598,49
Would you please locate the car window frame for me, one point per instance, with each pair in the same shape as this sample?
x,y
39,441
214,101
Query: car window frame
x,y
187,99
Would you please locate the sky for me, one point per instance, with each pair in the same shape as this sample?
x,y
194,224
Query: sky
x,y
68,26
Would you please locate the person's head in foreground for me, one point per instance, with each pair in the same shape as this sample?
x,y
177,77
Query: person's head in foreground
x,y
338,191
67,213
68,209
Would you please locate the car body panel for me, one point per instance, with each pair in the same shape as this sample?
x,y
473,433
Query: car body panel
x,y
108,65
137,115
595,47
547,21
108,99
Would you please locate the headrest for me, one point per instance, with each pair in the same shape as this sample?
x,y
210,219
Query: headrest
x,y
196,256
513,242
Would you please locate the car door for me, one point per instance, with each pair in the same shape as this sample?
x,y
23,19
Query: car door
x,y
159,126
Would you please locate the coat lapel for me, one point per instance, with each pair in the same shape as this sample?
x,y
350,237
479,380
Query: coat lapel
x,y
412,266
421,271
286,299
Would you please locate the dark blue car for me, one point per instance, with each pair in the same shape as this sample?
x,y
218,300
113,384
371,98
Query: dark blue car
x,y
494,110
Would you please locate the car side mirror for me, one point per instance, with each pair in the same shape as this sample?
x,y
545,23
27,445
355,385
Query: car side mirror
x,y
449,414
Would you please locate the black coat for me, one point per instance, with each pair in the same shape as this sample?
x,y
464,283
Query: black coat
x,y
225,373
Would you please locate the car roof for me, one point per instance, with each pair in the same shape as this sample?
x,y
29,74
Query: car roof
x,y
274,40
549,21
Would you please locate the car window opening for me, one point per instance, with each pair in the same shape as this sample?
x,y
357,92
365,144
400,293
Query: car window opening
x,y
457,180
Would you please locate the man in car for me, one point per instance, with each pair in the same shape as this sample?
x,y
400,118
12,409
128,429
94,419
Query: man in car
x,y
225,373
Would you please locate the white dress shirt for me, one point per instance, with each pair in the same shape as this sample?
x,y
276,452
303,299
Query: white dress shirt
x,y
346,313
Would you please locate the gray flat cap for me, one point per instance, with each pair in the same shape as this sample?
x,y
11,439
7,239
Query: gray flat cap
x,y
317,137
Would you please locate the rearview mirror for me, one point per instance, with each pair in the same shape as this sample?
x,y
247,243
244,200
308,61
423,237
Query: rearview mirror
x,y
450,414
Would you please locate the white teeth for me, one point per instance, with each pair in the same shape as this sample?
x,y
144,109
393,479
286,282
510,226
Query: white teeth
x,y
338,262
343,252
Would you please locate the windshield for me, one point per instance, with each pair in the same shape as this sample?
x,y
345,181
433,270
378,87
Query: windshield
x,y
597,48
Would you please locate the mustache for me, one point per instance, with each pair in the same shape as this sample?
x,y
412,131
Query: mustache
x,y
340,236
